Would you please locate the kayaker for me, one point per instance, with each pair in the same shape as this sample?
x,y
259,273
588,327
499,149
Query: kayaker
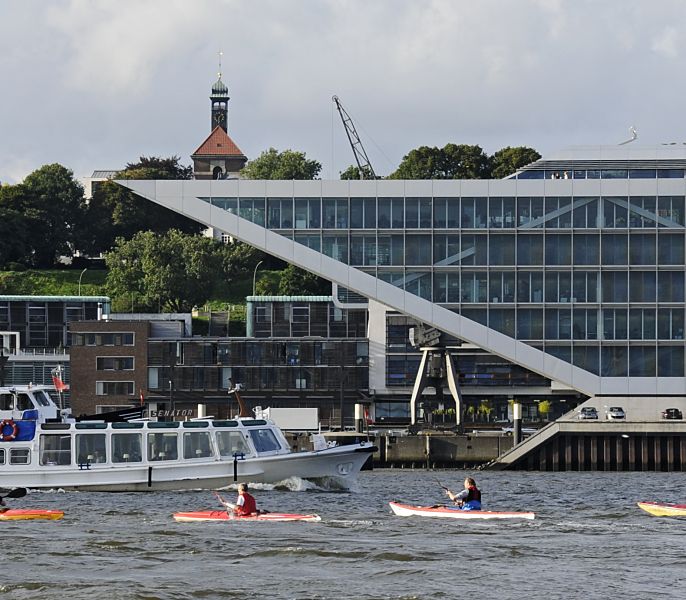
x,y
469,498
245,503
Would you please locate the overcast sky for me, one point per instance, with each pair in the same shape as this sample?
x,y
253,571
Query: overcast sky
x,y
96,84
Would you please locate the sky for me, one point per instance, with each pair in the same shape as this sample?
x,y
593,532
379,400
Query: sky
x,y
94,84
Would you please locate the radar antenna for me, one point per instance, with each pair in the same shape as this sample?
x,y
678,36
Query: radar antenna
x,y
363,164
634,135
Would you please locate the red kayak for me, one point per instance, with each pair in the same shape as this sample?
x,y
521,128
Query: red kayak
x,y
30,514
222,515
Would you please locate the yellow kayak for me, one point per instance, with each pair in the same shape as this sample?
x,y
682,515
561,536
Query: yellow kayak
x,y
30,515
660,509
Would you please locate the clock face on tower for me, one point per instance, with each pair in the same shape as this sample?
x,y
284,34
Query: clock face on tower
x,y
218,118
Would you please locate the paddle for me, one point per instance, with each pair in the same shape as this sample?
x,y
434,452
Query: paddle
x,y
15,493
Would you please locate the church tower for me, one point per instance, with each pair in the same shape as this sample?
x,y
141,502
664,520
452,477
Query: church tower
x,y
218,157
220,105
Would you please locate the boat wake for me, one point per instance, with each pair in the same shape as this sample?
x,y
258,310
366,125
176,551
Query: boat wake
x,y
297,484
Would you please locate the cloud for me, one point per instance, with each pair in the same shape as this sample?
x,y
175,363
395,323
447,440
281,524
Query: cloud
x,y
97,83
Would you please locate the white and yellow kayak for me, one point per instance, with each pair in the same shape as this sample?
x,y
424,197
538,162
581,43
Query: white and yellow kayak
x,y
446,512
30,514
660,509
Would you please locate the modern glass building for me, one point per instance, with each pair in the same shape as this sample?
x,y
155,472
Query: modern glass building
x,y
572,268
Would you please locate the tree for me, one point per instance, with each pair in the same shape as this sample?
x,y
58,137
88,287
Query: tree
x,y
353,172
48,205
15,236
453,161
171,271
508,160
115,211
297,282
289,164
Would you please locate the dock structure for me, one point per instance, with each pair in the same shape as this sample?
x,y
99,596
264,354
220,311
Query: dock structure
x,y
567,445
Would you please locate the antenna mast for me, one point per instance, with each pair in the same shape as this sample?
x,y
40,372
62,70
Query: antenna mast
x,y
363,164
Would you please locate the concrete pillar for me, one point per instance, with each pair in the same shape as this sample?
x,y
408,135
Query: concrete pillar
x,y
568,453
682,454
594,453
581,454
632,453
607,454
670,453
619,449
359,418
657,440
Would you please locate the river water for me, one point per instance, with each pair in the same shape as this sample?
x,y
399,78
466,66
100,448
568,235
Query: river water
x,y
589,540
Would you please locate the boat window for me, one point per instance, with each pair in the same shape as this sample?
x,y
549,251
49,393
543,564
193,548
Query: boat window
x,y
2,456
91,425
128,425
42,397
162,446
55,449
55,426
6,401
126,447
20,456
192,424
225,423
253,422
231,442
196,444
91,448
264,440
163,424
24,402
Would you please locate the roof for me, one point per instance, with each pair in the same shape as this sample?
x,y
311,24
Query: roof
x,y
103,174
289,299
218,143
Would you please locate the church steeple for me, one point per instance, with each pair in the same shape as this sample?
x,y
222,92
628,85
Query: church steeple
x,y
219,99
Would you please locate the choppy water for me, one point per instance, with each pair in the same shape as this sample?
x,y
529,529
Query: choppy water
x,y
589,540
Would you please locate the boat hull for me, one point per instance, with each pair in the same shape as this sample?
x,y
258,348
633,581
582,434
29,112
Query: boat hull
x,y
222,515
660,509
444,512
339,463
30,515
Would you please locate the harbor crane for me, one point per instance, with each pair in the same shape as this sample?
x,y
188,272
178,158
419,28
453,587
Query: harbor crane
x,y
363,164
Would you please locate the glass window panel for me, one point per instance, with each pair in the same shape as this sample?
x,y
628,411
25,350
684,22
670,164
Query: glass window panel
x,y
642,361
529,249
642,173
558,249
502,320
586,357
126,447
670,173
614,361
671,286
474,250
370,213
473,287
642,249
418,249
642,286
670,248
384,213
91,448
196,444
615,286
615,249
501,249
670,361
586,249
440,213
356,213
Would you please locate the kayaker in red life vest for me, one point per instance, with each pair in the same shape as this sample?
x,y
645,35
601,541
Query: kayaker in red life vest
x,y
469,498
245,503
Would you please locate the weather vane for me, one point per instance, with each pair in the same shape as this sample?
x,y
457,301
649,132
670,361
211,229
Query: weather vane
x,y
220,63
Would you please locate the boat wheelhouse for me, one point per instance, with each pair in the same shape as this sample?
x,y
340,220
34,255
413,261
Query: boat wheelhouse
x,y
40,447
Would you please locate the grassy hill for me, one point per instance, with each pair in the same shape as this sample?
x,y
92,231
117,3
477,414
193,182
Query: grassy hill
x,y
56,282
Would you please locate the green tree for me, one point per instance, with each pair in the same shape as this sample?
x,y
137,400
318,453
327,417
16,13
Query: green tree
x,y
289,164
171,271
353,172
50,203
15,236
115,211
508,160
453,161
297,282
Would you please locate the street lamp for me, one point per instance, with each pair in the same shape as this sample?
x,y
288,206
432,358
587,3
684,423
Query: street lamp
x,y
80,276
255,275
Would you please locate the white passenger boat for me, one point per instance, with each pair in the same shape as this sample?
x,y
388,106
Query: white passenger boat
x,y
41,447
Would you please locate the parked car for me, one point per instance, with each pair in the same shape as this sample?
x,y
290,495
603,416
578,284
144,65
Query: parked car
x,y
588,412
672,413
615,413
